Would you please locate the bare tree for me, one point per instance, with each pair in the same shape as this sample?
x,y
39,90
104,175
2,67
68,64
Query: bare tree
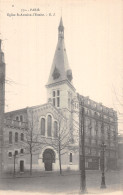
x,y
31,142
118,105
62,140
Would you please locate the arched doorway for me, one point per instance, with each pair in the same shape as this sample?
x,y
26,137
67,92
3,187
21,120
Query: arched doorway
x,y
48,159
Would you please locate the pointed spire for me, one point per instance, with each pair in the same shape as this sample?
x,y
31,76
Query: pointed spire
x,y
60,70
61,22
61,29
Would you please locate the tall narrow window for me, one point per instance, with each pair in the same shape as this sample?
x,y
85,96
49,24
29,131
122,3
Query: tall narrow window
x,y
22,137
10,137
58,93
16,152
49,125
55,129
17,118
58,101
58,98
21,118
22,151
16,137
54,96
71,157
42,126
10,154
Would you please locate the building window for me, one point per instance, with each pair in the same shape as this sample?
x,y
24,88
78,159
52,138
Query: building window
x,y
58,93
10,154
17,118
22,151
10,137
16,137
54,93
22,137
21,118
16,152
71,158
42,126
55,129
56,98
49,125
58,101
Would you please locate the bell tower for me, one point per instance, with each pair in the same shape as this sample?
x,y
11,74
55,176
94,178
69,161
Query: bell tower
x,y
60,88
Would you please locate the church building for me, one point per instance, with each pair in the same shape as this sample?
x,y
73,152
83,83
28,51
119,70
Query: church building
x,y
48,135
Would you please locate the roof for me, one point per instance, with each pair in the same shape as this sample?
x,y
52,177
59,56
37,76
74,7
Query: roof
x,y
60,70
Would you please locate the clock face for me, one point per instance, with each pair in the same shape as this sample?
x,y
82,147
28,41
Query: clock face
x,y
56,74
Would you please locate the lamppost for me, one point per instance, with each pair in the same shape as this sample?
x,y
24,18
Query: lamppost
x,y
103,146
102,160
14,155
83,189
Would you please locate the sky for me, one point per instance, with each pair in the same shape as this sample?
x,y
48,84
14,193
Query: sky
x,y
94,45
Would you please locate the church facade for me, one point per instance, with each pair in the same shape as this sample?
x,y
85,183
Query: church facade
x,y
48,135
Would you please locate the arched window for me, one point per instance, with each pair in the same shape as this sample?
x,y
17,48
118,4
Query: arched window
x,y
22,151
22,137
10,137
71,157
21,118
16,137
55,129
49,125
17,118
42,126
10,154
16,152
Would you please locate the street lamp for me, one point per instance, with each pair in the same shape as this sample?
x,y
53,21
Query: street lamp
x,y
14,155
82,147
103,146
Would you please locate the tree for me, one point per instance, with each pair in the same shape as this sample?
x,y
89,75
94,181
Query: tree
x,y
31,141
118,105
62,140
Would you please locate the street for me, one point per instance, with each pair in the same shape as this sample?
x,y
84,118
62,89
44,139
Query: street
x,y
68,183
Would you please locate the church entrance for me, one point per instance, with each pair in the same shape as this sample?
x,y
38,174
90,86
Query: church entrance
x,y
48,159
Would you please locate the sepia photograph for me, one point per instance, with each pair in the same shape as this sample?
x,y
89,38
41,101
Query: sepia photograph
x,y
61,97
